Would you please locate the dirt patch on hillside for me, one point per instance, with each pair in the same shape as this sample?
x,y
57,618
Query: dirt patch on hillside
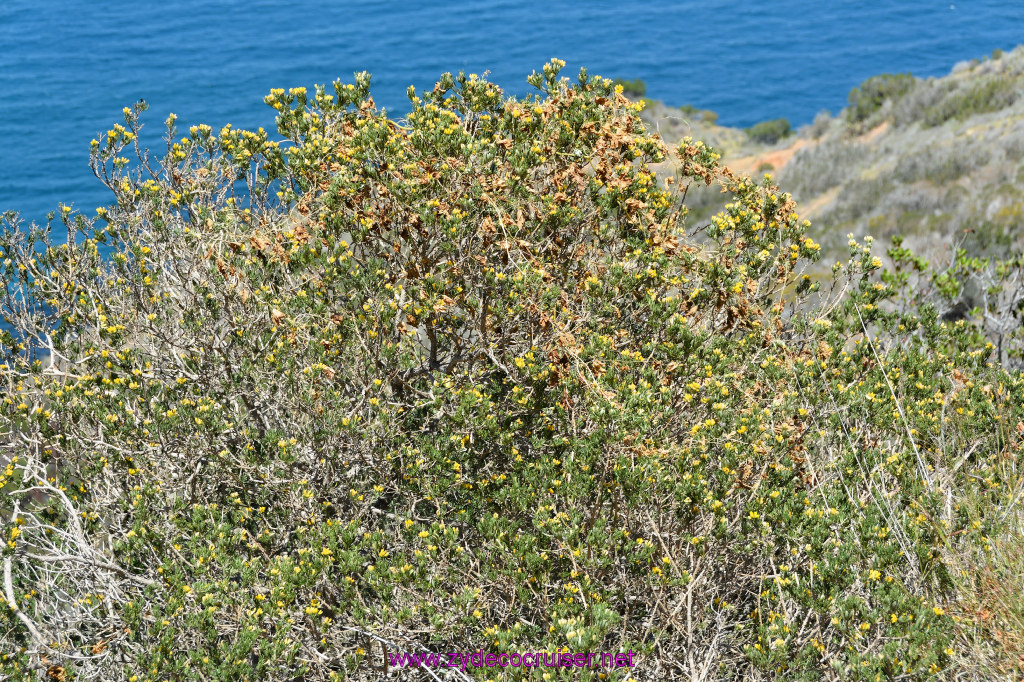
x,y
873,134
777,158
812,208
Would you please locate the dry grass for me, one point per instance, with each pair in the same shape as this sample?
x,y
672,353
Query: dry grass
x,y
989,584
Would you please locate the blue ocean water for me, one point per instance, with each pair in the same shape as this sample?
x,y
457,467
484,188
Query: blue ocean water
x,y
67,67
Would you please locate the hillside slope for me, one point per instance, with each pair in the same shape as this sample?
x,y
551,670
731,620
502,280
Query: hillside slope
x,y
936,160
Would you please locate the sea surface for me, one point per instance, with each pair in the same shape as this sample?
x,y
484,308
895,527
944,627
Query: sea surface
x,y
67,67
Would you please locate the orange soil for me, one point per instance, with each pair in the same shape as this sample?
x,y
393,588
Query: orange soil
x,y
874,133
812,207
780,157
777,158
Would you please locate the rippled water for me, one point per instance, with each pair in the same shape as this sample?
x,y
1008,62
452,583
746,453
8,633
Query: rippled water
x,y
67,67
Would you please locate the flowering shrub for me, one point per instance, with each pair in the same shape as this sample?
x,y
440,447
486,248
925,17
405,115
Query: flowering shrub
x,y
469,380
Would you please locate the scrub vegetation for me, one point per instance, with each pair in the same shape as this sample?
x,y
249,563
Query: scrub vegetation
x,y
937,161
475,379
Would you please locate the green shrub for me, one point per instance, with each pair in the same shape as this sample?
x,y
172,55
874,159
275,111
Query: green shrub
x,y
769,132
909,109
991,94
868,97
469,380
822,122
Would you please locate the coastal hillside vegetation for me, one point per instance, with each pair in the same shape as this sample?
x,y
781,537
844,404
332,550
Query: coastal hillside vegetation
x,y
474,379
937,161
769,132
